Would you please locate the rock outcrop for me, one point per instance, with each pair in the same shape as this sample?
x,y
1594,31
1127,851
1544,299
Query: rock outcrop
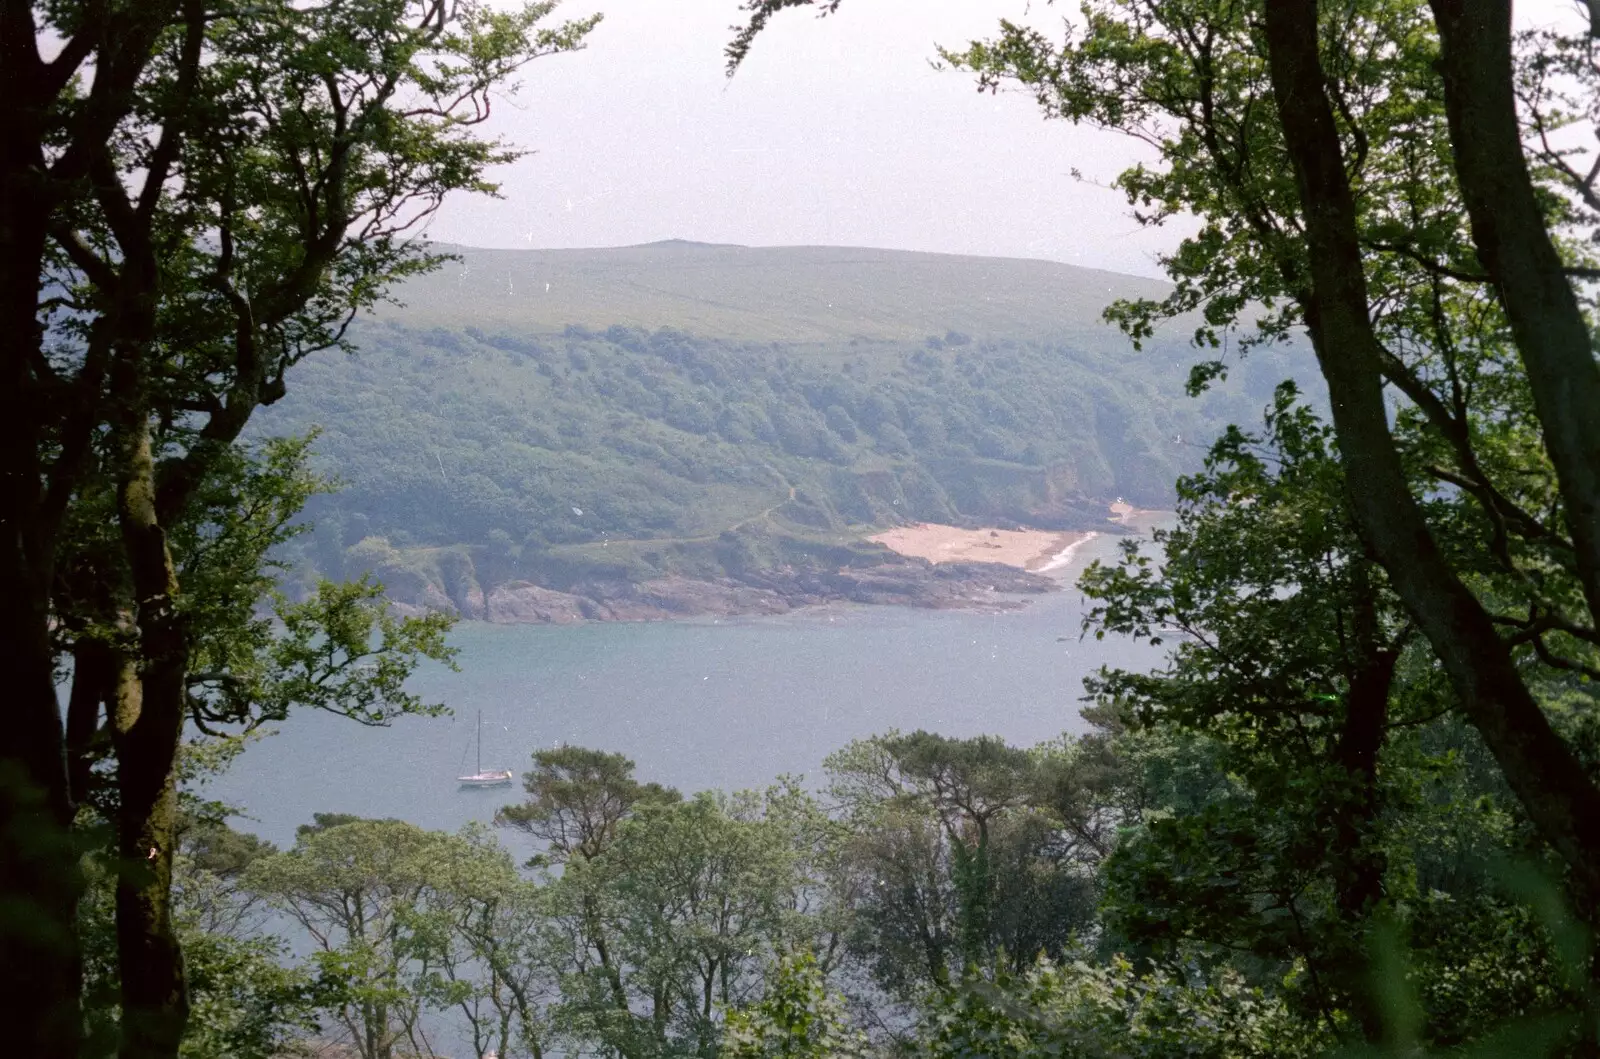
x,y
906,582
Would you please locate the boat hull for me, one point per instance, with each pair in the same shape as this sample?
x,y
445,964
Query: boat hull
x,y
486,779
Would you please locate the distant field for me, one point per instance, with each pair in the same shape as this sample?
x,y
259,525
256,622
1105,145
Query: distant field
x,y
805,294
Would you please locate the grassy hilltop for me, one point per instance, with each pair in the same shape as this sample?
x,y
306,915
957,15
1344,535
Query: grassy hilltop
x,y
799,294
711,410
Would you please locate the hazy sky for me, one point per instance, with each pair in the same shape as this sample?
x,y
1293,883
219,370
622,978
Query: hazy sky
x,y
836,131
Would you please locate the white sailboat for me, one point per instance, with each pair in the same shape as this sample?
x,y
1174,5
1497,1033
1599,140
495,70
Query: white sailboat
x,y
480,778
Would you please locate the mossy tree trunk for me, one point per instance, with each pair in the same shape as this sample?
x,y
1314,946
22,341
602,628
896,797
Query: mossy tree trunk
x,y
147,729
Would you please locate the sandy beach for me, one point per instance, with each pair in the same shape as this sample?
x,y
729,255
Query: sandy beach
x,y
1037,550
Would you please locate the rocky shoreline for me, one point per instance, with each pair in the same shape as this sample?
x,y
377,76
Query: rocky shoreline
x,y
905,582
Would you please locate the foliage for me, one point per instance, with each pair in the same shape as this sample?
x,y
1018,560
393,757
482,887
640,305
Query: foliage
x,y
796,1018
383,902
244,1003
673,922
1077,1007
577,799
1287,668
1389,177
660,912
650,924
1379,236
1295,674
630,453
340,651
760,924
230,187
966,855
246,998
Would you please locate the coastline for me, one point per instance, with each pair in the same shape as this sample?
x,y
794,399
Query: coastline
x,y
1063,559
898,580
924,565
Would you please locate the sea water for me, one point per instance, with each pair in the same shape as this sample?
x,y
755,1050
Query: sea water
x,y
729,703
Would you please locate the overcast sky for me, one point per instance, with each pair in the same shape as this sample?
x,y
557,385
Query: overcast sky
x,y
836,131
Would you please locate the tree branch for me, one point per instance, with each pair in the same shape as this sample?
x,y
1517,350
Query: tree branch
x,y
1508,228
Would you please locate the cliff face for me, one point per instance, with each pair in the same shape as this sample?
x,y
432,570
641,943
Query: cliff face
x,y
903,581
522,602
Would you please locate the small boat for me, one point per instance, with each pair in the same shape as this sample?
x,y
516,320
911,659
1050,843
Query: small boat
x,y
492,778
481,778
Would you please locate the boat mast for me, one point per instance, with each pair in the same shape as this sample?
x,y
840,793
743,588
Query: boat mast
x,y
480,742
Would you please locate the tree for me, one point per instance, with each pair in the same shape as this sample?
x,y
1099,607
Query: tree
x,y
707,891
492,957
1334,158
664,909
382,901
1341,802
577,799
1287,666
685,905
966,786
194,199
339,650
246,998
969,853
1557,793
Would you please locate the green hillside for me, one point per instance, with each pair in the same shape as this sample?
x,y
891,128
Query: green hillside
x,y
695,409
807,294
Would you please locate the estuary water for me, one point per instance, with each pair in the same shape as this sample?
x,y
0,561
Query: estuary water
x,y
729,703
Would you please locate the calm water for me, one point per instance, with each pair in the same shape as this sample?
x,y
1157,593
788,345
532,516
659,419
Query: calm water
x,y
729,704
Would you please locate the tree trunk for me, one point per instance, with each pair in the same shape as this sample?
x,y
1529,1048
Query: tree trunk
x,y
591,916
147,728
94,672
40,881
925,906
385,1038
1514,245
1366,720
1358,866
973,880
1358,862
1539,767
660,1010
